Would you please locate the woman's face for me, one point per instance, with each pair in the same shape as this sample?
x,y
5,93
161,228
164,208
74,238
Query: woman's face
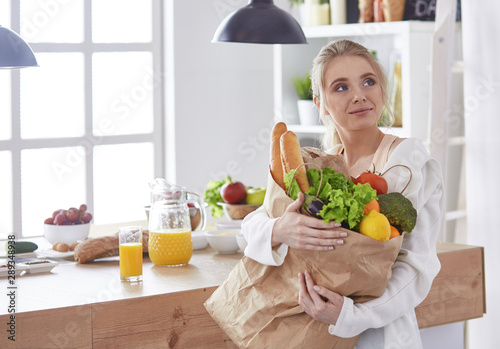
x,y
352,93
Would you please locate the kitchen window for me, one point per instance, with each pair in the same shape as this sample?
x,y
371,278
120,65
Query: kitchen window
x,y
86,126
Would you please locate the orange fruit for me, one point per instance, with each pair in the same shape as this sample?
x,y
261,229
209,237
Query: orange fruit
x,y
372,205
394,232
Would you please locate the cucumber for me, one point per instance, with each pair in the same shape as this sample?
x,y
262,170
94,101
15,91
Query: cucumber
x,y
20,247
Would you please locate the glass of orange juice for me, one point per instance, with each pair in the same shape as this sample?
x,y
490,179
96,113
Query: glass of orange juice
x,y
169,242
130,239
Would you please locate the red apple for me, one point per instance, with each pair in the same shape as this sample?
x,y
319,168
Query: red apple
x,y
233,193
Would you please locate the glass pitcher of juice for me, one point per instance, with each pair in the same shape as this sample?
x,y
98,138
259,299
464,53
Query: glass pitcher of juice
x,y
161,191
169,242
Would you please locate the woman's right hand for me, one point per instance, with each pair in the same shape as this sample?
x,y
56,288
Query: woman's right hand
x,y
303,232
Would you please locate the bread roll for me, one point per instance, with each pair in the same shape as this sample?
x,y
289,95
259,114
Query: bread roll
x,y
62,247
291,155
275,165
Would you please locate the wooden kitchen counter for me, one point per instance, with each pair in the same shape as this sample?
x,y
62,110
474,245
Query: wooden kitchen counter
x,y
87,306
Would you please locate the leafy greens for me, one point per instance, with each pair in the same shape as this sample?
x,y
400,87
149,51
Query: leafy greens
x,y
212,196
344,200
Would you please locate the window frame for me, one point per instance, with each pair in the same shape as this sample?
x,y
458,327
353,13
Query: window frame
x,y
16,144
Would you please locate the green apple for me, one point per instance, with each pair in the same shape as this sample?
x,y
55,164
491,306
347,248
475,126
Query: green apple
x,y
255,196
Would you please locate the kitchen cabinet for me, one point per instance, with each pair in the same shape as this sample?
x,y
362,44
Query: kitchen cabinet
x,y
409,41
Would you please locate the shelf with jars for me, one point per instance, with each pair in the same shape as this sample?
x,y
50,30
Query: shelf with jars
x,y
404,50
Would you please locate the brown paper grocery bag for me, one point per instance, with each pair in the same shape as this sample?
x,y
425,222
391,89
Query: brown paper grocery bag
x,y
257,305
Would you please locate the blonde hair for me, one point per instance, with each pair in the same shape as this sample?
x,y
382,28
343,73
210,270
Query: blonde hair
x,y
330,51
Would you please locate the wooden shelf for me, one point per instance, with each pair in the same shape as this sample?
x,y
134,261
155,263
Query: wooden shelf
x,y
364,29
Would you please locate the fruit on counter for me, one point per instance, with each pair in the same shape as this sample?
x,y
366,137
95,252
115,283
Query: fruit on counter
x,y
255,196
376,226
70,216
213,195
399,211
16,247
233,192
376,182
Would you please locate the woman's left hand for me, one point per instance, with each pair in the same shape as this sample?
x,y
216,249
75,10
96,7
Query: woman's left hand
x,y
312,300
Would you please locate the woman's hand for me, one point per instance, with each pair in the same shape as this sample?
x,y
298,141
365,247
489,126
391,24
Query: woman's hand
x,y
312,300
303,232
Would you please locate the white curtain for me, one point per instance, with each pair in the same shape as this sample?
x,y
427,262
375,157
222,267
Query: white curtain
x,y
481,49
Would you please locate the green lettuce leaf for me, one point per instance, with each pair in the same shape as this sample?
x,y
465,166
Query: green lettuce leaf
x,y
295,190
212,196
344,200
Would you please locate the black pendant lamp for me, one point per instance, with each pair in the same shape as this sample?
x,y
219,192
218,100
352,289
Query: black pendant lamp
x,y
260,22
14,51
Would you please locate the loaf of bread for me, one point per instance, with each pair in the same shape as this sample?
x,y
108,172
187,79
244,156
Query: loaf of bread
x,y
106,246
291,156
275,164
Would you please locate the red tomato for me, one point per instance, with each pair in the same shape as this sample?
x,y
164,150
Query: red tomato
x,y
376,182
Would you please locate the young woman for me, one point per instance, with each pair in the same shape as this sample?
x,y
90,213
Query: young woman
x,y
349,88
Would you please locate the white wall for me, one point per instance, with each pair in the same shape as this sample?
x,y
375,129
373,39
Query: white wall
x,y
223,100
481,30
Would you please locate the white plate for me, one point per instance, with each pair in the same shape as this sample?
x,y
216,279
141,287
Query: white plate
x,y
40,266
20,255
55,254
4,271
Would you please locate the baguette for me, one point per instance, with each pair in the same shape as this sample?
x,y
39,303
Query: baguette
x,y
291,155
102,247
275,164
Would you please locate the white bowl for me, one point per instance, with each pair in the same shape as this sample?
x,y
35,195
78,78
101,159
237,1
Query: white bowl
x,y
241,241
199,240
223,242
229,225
66,233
